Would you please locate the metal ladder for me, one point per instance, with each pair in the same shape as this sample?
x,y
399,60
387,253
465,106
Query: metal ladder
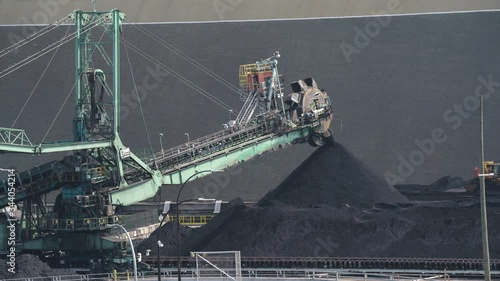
x,y
248,109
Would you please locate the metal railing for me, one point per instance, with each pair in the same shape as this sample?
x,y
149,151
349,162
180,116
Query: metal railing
x,y
202,147
14,136
266,124
193,220
51,222
132,221
253,68
276,273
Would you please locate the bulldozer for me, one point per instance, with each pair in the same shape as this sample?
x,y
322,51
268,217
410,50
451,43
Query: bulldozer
x,y
492,181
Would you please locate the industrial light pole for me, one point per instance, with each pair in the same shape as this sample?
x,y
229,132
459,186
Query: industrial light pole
x,y
161,145
230,111
178,220
482,193
187,134
163,219
131,246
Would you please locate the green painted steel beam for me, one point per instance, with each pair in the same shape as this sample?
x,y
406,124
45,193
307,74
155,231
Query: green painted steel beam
x,y
53,147
134,193
117,20
232,156
70,242
235,155
14,136
78,54
12,130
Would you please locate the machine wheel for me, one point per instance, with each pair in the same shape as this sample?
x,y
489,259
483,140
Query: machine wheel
x,y
330,141
314,140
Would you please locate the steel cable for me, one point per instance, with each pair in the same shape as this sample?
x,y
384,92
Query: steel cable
x,y
44,51
179,77
38,82
33,36
140,106
186,57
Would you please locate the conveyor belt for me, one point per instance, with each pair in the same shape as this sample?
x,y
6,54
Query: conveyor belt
x,y
189,153
342,262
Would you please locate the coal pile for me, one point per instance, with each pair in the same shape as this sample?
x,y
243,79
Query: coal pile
x,y
332,177
435,230
441,185
447,183
31,266
168,237
447,230
445,188
332,205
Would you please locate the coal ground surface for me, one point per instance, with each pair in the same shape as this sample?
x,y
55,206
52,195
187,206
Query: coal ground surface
x,y
168,237
445,188
332,205
28,265
436,230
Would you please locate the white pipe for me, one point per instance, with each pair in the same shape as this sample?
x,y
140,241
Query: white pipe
x,y
131,246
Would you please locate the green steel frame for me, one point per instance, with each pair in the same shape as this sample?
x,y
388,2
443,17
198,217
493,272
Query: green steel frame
x,y
109,149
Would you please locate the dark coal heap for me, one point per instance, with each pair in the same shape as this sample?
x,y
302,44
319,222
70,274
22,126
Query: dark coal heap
x,y
440,231
28,266
445,188
332,205
168,237
332,177
441,185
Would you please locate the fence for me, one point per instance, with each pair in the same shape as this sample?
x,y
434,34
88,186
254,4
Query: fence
x,y
288,274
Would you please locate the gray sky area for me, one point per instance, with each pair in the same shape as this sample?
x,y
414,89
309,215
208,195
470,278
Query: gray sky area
x,y
48,11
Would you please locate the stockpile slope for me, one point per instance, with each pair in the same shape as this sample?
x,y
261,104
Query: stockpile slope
x,y
28,265
319,199
168,237
332,205
438,231
334,177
